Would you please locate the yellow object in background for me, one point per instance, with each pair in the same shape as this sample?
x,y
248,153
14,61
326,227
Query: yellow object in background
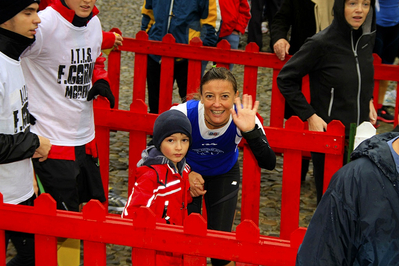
x,y
69,253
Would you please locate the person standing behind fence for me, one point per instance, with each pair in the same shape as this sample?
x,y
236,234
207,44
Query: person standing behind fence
x,y
255,23
235,16
184,20
357,220
339,62
18,22
386,46
219,121
292,25
64,72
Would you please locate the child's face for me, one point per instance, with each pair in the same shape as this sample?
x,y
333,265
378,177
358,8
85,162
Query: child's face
x,y
25,22
82,8
175,147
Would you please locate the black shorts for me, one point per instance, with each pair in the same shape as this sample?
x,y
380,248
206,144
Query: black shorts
x,y
71,181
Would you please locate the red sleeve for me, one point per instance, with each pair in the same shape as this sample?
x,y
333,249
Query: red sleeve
x,y
243,16
99,71
108,40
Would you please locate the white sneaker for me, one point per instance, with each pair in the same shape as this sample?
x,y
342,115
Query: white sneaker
x,y
264,27
390,98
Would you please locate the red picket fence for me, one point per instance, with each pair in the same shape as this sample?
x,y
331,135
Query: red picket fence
x,y
96,228
246,246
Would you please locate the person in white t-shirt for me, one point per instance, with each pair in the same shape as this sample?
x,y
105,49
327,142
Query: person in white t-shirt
x,y
18,21
65,71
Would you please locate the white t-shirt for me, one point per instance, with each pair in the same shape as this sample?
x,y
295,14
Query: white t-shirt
x,y
16,179
58,69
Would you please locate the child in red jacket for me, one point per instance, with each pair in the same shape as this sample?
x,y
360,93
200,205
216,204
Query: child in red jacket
x,y
162,177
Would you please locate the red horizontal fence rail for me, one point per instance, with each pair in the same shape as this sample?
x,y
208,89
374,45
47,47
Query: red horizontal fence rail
x,y
96,228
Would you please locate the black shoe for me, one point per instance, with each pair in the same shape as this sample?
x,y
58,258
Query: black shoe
x,y
384,116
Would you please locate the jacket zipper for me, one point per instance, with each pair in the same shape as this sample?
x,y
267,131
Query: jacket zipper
x,y
331,102
358,77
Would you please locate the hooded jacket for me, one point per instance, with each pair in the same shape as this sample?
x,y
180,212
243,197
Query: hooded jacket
x,y
235,15
160,187
339,62
357,220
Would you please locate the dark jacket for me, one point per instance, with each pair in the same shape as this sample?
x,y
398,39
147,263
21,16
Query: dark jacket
x,y
357,220
22,145
297,15
199,18
339,62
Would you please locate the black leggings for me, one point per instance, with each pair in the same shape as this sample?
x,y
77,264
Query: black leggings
x,y
221,202
24,244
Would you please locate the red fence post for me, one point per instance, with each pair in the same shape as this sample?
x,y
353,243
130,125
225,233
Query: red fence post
x,y
250,187
291,190
94,252
333,162
251,74
167,77
102,140
140,70
45,246
194,71
137,142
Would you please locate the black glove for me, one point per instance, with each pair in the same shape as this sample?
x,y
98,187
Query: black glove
x,y
101,87
32,119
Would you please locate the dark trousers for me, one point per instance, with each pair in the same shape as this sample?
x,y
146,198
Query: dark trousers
x,y
255,23
24,244
154,78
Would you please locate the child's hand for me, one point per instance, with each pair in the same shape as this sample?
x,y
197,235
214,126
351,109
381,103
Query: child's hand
x,y
196,184
118,40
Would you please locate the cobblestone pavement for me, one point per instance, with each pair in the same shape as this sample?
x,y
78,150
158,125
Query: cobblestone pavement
x,y
126,16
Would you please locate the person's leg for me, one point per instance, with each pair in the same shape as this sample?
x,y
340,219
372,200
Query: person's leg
x,y
24,244
255,23
318,173
89,179
195,206
58,178
234,40
221,202
153,83
180,75
386,46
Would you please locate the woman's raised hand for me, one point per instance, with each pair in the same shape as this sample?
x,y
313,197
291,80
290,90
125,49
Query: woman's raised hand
x,y
244,118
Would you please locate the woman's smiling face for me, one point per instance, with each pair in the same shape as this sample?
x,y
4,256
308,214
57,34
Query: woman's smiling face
x,y
218,98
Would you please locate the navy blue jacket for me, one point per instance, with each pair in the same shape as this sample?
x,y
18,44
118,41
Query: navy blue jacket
x,y
357,220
